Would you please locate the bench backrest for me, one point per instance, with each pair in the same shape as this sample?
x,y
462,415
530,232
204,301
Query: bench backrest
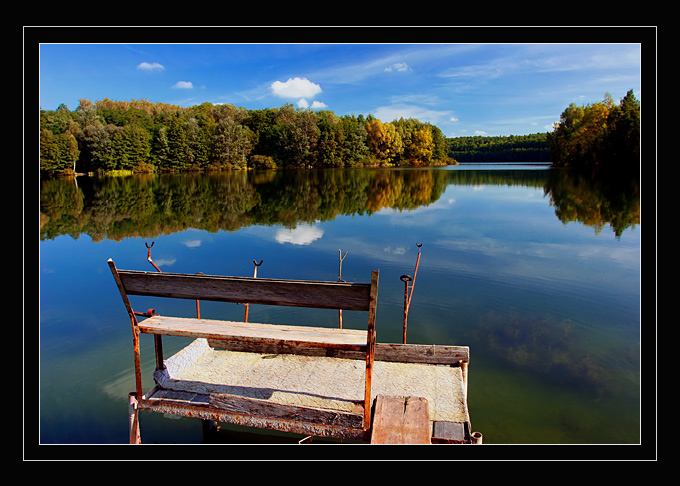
x,y
299,293
244,290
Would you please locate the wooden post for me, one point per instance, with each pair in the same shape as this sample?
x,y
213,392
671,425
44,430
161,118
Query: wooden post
x,y
370,348
133,412
406,279
464,372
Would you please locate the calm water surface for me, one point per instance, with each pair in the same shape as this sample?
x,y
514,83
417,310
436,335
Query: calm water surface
x,y
536,269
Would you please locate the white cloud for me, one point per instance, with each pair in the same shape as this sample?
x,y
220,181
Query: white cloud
x,y
395,251
150,66
397,66
192,243
302,235
165,262
316,105
184,85
295,88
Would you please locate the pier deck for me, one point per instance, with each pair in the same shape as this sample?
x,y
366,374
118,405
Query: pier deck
x,y
317,381
321,393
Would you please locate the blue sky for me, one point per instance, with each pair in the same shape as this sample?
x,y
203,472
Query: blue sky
x,y
464,89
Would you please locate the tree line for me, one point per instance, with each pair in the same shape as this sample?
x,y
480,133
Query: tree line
x,y
514,148
603,135
141,136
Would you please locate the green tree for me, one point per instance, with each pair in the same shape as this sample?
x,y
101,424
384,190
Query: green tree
x,y
330,141
178,147
232,144
354,140
298,137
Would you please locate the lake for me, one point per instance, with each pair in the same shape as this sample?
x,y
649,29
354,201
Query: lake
x,y
536,269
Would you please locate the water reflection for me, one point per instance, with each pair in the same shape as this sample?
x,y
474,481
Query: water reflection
x,y
551,312
150,205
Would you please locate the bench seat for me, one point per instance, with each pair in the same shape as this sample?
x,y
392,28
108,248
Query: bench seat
x,y
301,336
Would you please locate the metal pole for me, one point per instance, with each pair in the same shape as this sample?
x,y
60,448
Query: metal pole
x,y
245,318
406,279
341,258
408,295
415,272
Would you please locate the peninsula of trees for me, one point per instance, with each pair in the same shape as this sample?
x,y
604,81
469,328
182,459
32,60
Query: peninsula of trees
x,y
141,136
602,135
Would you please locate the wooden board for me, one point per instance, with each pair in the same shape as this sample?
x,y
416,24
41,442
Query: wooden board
x,y
300,293
401,420
400,353
273,334
264,408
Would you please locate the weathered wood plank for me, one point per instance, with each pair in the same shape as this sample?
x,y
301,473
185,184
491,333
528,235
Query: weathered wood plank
x,y
299,293
401,420
264,408
400,353
454,431
272,334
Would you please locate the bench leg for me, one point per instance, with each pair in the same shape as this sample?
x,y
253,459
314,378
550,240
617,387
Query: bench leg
x,y
133,413
158,342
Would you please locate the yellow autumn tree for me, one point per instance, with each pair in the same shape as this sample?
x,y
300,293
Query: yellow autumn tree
x,y
384,141
420,150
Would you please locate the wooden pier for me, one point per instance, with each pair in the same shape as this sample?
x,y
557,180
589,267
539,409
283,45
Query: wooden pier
x,y
316,381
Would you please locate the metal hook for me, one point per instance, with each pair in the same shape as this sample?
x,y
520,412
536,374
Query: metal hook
x,y
256,265
341,257
148,255
245,317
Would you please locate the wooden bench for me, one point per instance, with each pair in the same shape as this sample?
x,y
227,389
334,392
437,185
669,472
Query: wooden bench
x,y
254,336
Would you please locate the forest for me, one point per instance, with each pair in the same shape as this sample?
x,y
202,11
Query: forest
x,y
513,148
599,135
140,136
